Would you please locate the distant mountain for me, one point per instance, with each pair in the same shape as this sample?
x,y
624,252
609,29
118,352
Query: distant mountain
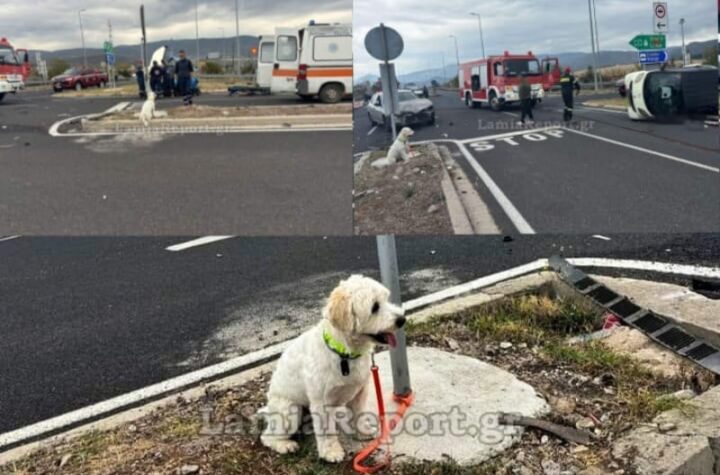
x,y
132,53
574,60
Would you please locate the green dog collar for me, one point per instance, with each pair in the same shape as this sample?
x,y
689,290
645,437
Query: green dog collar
x,y
339,348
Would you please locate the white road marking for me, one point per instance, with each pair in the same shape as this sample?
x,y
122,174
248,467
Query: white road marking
x,y
601,237
196,242
9,238
510,210
646,150
372,130
599,109
256,358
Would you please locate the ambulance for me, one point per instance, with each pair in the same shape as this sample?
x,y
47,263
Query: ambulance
x,y
14,68
495,80
313,61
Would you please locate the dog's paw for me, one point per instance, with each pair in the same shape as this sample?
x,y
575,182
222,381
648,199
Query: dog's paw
x,y
281,446
333,452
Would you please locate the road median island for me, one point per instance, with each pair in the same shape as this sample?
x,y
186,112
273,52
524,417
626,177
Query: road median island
x,y
534,335
175,119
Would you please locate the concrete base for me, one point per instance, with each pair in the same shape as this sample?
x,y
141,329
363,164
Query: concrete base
x,y
445,384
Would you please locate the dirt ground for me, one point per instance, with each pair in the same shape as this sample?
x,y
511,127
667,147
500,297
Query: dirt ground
x,y
587,385
403,198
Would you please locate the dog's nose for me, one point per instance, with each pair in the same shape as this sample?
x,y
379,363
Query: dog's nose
x,y
400,322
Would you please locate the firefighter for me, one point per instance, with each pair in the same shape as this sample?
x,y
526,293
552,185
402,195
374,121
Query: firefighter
x,y
568,84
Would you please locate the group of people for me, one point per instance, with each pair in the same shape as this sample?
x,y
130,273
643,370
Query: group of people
x,y
568,87
164,81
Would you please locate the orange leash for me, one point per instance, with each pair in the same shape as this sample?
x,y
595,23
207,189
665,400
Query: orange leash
x,y
385,427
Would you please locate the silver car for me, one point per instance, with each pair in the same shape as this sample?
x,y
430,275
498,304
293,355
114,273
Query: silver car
x,y
411,110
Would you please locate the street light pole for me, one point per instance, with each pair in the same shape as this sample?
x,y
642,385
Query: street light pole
x,y
480,29
597,41
682,33
82,37
237,36
592,43
197,34
222,45
457,51
444,77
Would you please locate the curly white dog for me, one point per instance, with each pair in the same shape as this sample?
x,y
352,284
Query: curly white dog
x,y
327,368
399,150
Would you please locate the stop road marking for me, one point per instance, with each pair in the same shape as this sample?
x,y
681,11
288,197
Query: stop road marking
x,y
481,145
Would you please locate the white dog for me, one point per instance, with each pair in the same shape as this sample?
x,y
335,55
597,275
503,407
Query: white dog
x,y
399,151
327,368
147,113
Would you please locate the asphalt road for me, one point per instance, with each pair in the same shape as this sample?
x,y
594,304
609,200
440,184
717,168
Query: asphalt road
x,y
606,175
251,183
86,319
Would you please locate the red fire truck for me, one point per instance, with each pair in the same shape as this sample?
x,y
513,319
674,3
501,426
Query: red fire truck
x,y
495,79
14,68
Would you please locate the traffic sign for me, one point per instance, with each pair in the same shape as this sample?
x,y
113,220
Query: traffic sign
x,y
653,56
645,42
110,58
660,17
108,46
384,43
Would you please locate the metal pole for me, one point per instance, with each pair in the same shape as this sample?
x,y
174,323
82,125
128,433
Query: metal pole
x,y
237,37
390,79
111,69
197,35
82,37
592,43
597,40
390,277
144,47
682,33
480,28
444,76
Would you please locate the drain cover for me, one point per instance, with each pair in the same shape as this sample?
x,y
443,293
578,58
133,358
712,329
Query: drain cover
x,y
625,308
602,295
701,351
676,338
650,323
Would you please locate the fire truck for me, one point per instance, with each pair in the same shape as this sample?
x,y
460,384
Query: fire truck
x,y
495,79
14,68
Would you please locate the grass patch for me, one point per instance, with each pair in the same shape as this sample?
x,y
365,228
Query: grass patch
x,y
179,428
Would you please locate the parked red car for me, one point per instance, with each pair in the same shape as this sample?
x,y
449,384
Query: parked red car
x,y
79,78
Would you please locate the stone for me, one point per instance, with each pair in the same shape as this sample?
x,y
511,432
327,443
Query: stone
x,y
585,423
64,460
544,439
550,467
667,427
188,470
473,389
563,405
652,453
433,209
506,345
452,343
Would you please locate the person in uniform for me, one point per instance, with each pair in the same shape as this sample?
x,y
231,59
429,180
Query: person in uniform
x,y
568,85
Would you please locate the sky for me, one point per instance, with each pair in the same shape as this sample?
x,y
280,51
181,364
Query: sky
x,y
543,26
51,25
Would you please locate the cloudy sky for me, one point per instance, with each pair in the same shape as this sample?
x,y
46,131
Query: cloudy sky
x,y
51,25
516,25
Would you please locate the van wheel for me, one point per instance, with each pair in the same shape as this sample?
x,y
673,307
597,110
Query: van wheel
x,y
469,102
331,93
78,86
495,103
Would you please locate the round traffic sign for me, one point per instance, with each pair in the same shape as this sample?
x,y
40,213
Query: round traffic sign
x,y
384,43
660,10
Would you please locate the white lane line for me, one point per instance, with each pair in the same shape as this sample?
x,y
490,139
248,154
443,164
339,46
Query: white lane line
x,y
372,130
510,210
9,238
651,266
600,109
196,242
601,237
646,150
256,358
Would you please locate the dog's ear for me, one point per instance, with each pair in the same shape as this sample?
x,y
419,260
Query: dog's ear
x,y
339,310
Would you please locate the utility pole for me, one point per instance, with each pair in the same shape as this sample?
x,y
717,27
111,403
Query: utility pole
x,y
111,69
457,51
443,70
222,48
592,43
197,35
480,28
682,33
82,37
597,42
237,37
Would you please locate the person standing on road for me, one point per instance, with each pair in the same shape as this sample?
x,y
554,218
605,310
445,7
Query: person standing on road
x,y
183,71
525,94
568,85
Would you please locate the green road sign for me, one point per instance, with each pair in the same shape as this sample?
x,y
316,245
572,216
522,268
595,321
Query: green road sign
x,y
643,42
108,47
